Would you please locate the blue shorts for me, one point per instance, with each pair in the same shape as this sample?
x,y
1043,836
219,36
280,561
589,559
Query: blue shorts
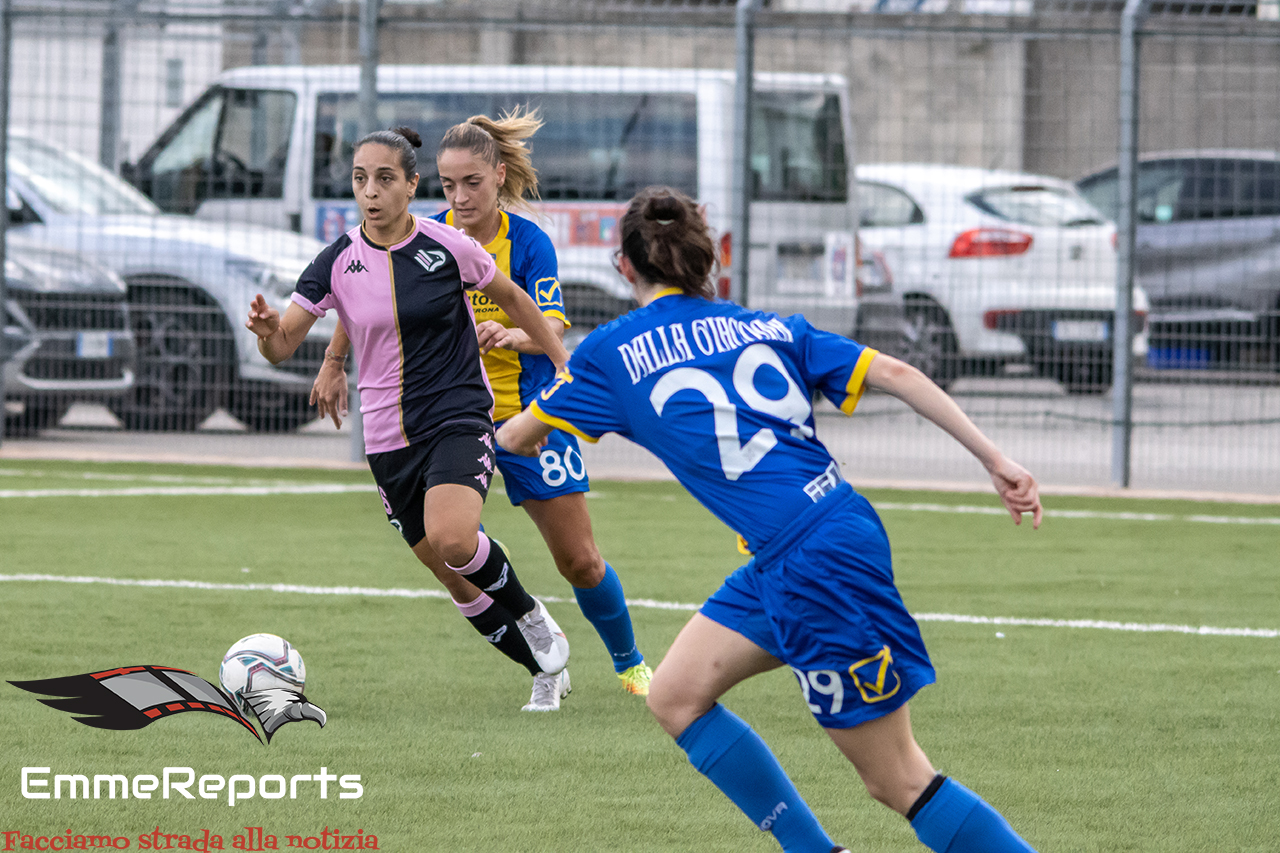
x,y
557,470
822,600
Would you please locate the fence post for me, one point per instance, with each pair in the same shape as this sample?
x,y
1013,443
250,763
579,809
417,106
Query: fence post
x,y
6,50
1126,228
112,72
740,188
368,98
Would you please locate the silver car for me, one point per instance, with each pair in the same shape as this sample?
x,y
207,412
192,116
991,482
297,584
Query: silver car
x,y
66,335
190,282
1208,254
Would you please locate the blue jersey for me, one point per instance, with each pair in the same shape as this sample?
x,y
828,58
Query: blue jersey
x,y
524,252
722,395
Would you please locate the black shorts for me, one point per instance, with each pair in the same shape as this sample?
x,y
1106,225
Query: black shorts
x,y
461,454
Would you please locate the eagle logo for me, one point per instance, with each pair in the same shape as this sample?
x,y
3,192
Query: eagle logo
x,y
133,697
430,261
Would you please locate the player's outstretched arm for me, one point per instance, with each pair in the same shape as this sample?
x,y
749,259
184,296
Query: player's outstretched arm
x,y
1016,487
521,308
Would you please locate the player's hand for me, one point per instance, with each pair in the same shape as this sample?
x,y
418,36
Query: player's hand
x,y
491,333
329,392
263,319
1018,491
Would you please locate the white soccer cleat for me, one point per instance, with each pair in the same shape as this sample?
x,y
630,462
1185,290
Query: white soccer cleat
x,y
548,689
548,643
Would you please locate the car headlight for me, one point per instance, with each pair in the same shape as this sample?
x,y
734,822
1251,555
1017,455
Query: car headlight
x,y
278,286
275,283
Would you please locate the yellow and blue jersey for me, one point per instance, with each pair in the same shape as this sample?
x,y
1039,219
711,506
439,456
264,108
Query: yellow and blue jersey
x,y
524,252
721,394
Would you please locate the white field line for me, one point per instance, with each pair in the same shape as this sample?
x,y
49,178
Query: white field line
x,y
376,592
886,506
210,488
150,491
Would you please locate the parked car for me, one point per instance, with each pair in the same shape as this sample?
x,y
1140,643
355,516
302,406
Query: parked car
x,y
66,335
1208,253
996,267
189,286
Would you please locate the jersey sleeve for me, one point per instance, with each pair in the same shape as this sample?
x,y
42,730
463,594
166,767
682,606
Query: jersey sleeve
x,y
315,285
475,265
833,364
543,276
581,400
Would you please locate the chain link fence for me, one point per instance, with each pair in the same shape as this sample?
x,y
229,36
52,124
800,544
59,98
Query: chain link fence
x,y
940,178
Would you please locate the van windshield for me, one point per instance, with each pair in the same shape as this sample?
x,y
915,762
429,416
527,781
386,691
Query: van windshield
x,y
797,147
599,146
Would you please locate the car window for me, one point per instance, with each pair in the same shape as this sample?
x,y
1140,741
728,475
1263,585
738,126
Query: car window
x,y
1193,188
234,143
593,145
1227,188
880,206
797,147
1037,205
70,184
1159,187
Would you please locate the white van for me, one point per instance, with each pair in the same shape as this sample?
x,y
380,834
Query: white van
x,y
273,145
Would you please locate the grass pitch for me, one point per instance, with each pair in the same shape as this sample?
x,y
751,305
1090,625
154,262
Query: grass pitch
x,y
1091,708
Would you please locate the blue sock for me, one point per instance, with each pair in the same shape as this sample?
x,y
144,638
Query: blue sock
x,y
956,820
729,753
605,607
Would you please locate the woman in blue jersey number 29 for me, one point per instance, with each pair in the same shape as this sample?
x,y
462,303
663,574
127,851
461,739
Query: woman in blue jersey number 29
x,y
399,285
485,169
722,395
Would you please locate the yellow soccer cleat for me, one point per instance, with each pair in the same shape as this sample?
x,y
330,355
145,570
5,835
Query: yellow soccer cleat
x,y
636,679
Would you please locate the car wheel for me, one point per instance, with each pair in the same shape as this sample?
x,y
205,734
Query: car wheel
x,y
929,342
37,414
263,407
185,354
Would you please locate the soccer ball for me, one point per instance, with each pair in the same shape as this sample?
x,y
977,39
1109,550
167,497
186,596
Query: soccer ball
x,y
260,661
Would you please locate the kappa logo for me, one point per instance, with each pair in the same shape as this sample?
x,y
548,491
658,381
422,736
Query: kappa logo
x,y
356,266
430,261
871,676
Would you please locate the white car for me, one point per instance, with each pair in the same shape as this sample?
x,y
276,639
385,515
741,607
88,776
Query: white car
x,y
189,285
996,267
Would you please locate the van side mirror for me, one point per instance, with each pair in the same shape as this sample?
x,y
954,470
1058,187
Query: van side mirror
x,y
20,213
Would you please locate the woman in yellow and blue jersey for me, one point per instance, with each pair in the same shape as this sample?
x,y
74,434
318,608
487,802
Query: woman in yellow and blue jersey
x,y
486,170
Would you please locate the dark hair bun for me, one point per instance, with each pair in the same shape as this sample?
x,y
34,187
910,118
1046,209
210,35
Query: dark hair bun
x,y
664,208
410,134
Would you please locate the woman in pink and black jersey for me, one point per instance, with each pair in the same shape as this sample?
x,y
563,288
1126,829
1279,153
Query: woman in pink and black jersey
x,y
486,172
400,286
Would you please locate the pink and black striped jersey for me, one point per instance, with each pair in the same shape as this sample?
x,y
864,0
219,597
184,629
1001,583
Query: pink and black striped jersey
x,y
411,327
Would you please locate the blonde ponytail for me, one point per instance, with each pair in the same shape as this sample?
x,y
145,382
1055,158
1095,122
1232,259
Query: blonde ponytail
x,y
501,141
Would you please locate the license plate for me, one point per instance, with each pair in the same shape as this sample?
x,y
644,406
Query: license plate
x,y
1081,330
93,345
